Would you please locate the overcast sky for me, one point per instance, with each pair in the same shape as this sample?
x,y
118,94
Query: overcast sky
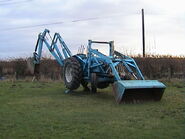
x,y
118,20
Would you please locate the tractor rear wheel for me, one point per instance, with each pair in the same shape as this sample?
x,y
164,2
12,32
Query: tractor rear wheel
x,y
72,73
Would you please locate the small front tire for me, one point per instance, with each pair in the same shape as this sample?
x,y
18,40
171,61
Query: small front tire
x,y
93,83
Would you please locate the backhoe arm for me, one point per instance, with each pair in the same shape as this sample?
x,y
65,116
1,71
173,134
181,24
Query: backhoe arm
x,y
58,53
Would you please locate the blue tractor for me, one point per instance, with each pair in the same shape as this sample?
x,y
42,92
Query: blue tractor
x,y
97,70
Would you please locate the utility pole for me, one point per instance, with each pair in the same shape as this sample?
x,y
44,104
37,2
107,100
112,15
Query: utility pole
x,y
143,32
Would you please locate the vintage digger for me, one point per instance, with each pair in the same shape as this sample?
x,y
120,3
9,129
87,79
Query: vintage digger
x,y
99,70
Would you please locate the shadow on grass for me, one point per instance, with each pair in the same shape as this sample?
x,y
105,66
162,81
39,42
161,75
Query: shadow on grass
x,y
102,95
106,96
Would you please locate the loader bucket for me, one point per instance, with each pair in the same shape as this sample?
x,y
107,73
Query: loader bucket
x,y
138,90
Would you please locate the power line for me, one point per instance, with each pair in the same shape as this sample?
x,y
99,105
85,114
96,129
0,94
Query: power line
x,y
6,0
60,22
33,26
11,3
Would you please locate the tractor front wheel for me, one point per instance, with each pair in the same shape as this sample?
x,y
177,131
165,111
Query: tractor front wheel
x,y
72,73
93,83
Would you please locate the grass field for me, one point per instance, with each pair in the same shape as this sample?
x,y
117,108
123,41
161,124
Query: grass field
x,y
42,110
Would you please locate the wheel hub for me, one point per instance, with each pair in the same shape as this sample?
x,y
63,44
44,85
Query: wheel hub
x,y
68,74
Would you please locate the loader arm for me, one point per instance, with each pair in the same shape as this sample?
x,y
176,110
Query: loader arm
x,y
58,53
115,58
124,89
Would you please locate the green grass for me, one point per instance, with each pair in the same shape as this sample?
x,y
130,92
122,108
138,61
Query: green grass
x,y
42,110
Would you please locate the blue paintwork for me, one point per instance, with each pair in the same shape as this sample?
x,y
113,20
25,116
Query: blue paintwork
x,y
120,87
53,48
130,84
94,62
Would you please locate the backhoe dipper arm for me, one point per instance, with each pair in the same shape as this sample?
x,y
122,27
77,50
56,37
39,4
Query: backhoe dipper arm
x,y
53,48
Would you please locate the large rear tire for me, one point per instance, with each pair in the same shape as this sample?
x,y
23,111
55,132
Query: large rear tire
x,y
72,73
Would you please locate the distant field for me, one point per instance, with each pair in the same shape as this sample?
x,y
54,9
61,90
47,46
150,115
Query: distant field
x,y
42,110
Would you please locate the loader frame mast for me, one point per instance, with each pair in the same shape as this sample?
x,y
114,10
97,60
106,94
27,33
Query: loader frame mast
x,y
96,56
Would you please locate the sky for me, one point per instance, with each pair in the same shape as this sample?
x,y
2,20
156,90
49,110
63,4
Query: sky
x,y
103,20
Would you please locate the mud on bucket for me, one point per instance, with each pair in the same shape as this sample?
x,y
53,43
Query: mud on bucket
x,y
136,90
